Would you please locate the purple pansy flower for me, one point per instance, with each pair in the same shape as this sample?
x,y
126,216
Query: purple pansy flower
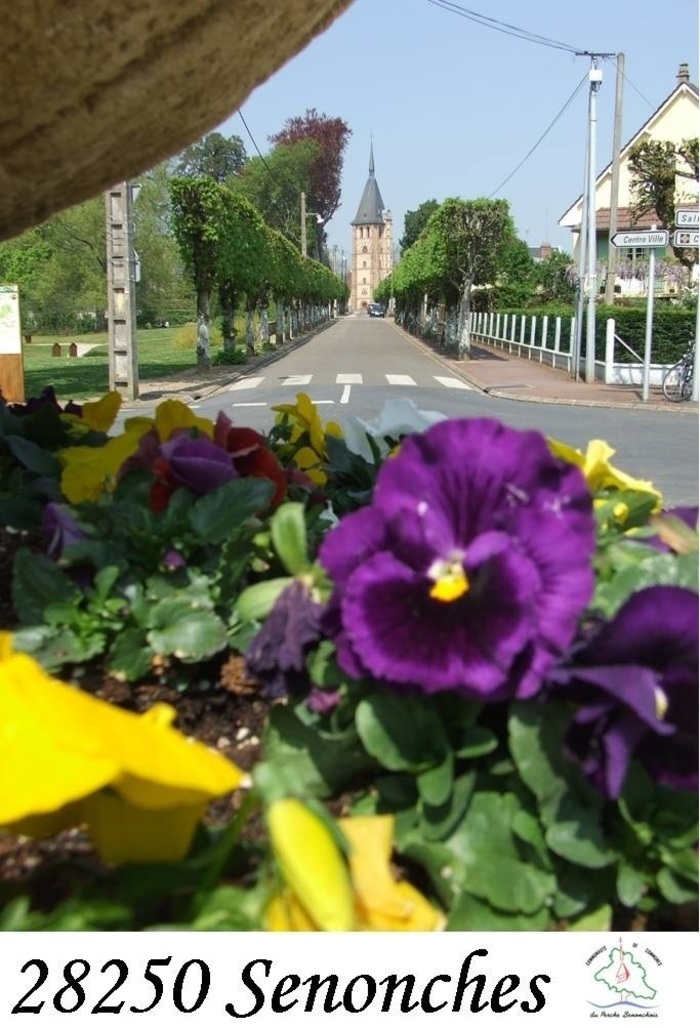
x,y
636,683
470,569
60,529
197,463
277,655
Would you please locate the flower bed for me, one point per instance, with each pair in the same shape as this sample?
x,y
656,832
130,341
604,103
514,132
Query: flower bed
x,y
425,673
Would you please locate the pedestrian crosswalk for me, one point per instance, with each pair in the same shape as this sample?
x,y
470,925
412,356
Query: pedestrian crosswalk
x,y
347,379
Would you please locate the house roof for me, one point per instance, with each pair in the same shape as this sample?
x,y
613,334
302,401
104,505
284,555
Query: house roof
x,y
369,211
683,86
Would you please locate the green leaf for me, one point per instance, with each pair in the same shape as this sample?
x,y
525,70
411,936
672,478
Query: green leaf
x,y
289,537
197,635
599,920
472,914
535,740
575,833
309,761
20,511
675,889
631,884
477,742
104,580
37,583
222,512
402,732
32,457
256,602
439,822
435,783
130,657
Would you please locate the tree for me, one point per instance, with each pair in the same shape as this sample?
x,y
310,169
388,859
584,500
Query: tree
x,y
467,239
199,224
515,278
274,185
214,156
331,135
415,222
657,166
555,279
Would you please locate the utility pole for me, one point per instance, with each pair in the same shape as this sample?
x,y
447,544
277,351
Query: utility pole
x,y
303,224
582,243
595,77
615,179
121,293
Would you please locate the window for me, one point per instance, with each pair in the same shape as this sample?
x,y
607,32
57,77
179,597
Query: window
x,y
364,264
364,249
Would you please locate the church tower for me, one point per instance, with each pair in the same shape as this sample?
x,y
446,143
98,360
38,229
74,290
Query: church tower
x,y
372,243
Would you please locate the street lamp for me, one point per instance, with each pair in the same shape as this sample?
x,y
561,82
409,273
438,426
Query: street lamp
x,y
304,215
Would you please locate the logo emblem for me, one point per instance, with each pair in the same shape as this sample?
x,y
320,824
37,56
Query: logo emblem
x,y
622,981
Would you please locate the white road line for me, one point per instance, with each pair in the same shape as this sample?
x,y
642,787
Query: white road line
x,y
317,402
345,398
451,383
259,403
246,383
400,380
297,380
348,380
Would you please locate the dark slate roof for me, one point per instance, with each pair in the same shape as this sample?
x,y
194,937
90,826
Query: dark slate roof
x,y
371,205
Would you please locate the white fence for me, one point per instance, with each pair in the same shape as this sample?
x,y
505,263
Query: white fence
x,y
551,341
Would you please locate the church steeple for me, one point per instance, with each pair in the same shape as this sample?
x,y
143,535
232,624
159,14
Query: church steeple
x,y
371,205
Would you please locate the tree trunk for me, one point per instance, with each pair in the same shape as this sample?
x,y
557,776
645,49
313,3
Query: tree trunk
x,y
228,310
463,340
264,326
249,332
203,320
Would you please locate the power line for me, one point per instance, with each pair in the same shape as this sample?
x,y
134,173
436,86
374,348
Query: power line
x,y
505,27
267,166
610,57
551,125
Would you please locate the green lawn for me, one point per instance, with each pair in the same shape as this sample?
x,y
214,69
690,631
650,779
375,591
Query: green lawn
x,y
84,377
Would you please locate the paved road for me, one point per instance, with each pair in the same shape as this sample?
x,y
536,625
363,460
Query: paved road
x,y
357,364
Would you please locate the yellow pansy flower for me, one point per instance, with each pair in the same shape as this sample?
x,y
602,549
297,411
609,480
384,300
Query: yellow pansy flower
x,y
174,414
67,758
97,415
89,471
597,469
316,897
308,429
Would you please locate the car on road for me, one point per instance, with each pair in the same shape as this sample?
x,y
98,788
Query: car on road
x,y
376,310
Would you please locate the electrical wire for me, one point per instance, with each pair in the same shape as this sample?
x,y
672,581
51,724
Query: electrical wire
x,y
267,166
506,28
551,125
612,59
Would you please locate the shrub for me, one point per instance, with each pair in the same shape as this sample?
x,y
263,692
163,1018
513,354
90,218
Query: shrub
x,y
235,356
186,336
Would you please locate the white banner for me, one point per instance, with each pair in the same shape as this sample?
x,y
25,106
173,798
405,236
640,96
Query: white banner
x,y
557,980
10,335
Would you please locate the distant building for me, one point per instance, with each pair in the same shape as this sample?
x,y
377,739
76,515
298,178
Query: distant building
x,y
674,120
544,250
372,243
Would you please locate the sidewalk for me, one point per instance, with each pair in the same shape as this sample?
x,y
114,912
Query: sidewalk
x,y
498,373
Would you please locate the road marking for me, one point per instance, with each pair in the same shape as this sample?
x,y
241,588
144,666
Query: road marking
x,y
297,380
345,398
451,383
246,383
259,403
348,380
400,380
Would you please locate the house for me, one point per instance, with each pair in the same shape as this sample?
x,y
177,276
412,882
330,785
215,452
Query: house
x,y
674,120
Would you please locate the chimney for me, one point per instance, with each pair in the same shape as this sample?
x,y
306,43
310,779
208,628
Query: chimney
x,y
545,250
683,74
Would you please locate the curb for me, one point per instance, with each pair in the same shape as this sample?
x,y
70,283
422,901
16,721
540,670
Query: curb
x,y
194,396
501,394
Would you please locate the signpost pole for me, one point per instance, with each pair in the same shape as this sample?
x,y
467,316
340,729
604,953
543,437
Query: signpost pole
x,y
696,359
650,322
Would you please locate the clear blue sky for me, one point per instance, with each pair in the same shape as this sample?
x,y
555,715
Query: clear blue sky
x,y
453,106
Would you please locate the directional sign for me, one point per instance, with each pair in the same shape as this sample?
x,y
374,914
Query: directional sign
x,y
656,238
688,219
683,239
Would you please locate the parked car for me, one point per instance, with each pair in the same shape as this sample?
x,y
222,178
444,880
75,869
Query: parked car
x,y
376,310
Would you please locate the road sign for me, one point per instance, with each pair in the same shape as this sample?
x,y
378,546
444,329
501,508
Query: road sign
x,y
687,219
682,238
657,238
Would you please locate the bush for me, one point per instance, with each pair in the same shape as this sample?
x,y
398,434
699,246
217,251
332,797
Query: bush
x,y
235,356
186,336
673,329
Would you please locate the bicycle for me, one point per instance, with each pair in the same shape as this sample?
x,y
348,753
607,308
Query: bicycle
x,y
677,383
